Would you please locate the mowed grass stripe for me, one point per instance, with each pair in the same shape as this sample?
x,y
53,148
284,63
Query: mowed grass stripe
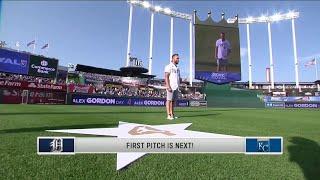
x,y
20,125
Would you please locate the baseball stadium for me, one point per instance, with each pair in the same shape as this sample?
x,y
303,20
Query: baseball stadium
x,y
212,110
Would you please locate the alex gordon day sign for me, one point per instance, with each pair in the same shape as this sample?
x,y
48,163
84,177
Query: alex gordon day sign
x,y
121,101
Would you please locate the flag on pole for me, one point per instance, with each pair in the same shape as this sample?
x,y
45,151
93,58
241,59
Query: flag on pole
x,y
31,43
310,63
3,43
71,67
268,74
45,46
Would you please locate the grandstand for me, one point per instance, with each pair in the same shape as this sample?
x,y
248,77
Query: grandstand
x,y
281,88
19,85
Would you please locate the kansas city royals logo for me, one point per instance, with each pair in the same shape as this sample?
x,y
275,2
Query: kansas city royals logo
x,y
56,145
263,145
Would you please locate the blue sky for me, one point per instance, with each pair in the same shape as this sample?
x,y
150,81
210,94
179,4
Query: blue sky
x,y
95,33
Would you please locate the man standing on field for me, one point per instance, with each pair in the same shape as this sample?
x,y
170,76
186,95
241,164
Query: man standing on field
x,y
172,79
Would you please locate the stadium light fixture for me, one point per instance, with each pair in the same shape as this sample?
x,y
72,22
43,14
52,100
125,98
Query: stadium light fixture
x,y
266,19
276,17
167,11
291,14
250,19
146,4
157,8
133,2
263,18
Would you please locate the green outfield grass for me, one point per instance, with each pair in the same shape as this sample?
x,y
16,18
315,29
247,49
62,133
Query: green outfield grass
x,y
20,125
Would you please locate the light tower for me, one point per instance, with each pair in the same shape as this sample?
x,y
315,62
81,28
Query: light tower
x,y
291,15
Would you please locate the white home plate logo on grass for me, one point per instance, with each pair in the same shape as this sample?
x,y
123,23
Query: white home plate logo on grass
x,y
133,130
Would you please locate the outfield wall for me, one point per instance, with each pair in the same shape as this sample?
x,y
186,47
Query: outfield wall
x,y
292,102
16,92
291,99
301,105
104,100
87,99
224,96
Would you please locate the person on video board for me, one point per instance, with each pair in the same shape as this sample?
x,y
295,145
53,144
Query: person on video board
x,y
222,52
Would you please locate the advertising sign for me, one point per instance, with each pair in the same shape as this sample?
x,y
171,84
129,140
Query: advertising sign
x,y
198,103
43,67
30,85
292,99
121,101
148,102
14,96
80,88
274,105
302,105
13,62
182,103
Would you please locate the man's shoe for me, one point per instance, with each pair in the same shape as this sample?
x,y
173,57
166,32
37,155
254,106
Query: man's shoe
x,y
170,118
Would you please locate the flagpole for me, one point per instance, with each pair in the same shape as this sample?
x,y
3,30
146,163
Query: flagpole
x,y
318,85
34,45
47,50
315,63
129,35
18,45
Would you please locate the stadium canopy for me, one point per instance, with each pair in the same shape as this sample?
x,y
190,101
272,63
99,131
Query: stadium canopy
x,y
133,70
126,72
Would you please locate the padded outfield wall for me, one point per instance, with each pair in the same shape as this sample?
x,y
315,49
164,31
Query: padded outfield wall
x,y
225,96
